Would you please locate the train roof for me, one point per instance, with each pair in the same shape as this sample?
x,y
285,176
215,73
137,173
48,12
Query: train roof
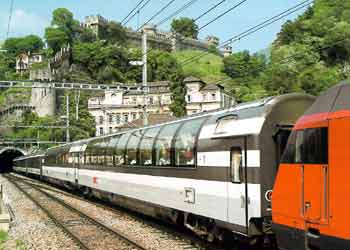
x,y
334,102
334,99
259,108
25,157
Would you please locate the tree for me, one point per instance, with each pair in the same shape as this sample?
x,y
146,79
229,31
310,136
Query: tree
x,y
87,36
185,26
164,67
113,32
56,38
243,67
64,19
64,30
30,43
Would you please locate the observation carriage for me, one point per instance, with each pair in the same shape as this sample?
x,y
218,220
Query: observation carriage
x,y
212,173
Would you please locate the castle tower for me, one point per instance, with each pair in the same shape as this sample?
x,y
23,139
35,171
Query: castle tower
x,y
227,50
44,101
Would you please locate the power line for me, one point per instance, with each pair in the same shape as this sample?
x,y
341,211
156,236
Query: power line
x,y
254,29
222,14
181,9
157,14
10,18
137,12
288,59
210,10
139,3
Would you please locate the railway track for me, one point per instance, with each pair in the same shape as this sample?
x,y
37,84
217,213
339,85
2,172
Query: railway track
x,y
163,229
87,232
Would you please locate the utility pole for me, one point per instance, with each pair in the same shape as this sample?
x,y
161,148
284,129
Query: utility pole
x,y
77,100
144,77
67,119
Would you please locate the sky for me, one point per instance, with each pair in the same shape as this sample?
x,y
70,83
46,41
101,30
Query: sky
x,y
32,16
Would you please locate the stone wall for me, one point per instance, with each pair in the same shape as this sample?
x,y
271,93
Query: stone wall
x,y
44,101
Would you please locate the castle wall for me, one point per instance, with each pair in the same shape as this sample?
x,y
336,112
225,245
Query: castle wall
x,y
44,101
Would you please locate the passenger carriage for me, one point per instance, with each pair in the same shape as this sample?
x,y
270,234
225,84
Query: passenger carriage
x,y
211,172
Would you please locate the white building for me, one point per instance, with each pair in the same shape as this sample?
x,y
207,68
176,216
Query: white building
x,y
25,60
116,110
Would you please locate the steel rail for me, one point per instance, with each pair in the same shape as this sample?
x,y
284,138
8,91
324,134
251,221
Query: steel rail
x,y
116,209
74,210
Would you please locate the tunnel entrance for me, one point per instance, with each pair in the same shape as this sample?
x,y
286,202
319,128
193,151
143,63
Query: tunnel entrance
x,y
7,156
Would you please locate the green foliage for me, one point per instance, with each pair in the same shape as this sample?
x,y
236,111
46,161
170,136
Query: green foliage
x,y
64,30
56,38
163,66
101,62
113,32
208,67
30,43
185,26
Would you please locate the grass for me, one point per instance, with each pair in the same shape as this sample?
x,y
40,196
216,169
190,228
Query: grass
x,y
3,238
208,67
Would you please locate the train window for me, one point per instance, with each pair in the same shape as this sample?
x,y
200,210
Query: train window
x,y
185,142
309,146
131,149
121,146
236,165
110,152
146,146
163,144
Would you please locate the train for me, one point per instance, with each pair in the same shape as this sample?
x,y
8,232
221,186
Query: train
x,y
309,202
212,173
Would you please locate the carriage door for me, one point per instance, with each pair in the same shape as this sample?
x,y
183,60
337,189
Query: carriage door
x,y
237,187
313,145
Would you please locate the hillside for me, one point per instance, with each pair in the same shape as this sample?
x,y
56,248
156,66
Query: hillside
x,y
208,67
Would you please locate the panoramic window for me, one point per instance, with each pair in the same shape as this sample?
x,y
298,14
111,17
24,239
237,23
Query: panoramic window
x,y
110,150
163,144
131,149
309,146
146,146
185,143
121,147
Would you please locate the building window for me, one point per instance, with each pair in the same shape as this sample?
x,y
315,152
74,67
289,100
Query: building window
x,y
134,116
101,119
117,119
134,100
213,96
110,118
126,118
110,130
188,98
101,131
151,101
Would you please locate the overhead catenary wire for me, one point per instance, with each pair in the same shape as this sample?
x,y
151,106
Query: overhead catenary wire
x,y
294,56
223,14
137,12
10,19
206,12
132,11
156,14
178,11
254,29
209,10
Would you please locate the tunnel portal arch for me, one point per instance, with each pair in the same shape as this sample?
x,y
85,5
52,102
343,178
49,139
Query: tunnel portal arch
x,y
7,155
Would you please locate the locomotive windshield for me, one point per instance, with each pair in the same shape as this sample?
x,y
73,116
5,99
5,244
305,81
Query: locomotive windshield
x,y
309,146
